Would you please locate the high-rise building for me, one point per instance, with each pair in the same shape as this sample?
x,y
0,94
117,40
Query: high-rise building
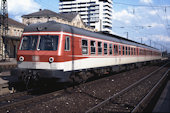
x,y
95,13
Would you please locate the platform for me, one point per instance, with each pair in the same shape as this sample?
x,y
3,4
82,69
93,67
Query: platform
x,y
5,77
4,66
163,104
4,83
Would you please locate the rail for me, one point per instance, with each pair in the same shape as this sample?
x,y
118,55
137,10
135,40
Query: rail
x,y
124,90
137,108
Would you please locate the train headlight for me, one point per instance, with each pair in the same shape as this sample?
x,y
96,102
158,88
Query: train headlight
x,y
21,58
51,59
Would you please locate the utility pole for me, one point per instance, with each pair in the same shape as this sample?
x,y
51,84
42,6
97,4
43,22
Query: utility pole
x,y
141,40
150,42
127,35
4,28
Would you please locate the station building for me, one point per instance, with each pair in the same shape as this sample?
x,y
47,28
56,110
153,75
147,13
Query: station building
x,y
45,15
10,42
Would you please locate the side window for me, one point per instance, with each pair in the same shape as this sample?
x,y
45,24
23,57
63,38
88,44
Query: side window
x,y
84,47
93,47
105,48
131,51
115,50
119,50
110,49
123,50
100,48
67,43
126,51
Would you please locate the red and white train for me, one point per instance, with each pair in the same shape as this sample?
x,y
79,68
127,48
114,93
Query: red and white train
x,y
60,51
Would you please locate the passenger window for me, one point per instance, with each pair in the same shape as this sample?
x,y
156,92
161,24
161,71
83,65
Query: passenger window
x,y
126,50
115,50
99,48
131,51
93,47
67,43
105,48
123,50
119,50
110,49
84,47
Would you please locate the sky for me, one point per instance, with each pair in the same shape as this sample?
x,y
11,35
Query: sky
x,y
146,21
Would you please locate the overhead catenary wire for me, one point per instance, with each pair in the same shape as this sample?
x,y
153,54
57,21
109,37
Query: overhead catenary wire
x,y
135,5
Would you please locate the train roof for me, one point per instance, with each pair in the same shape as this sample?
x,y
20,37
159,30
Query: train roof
x,y
55,26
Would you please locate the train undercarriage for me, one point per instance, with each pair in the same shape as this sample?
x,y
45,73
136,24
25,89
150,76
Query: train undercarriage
x,y
35,77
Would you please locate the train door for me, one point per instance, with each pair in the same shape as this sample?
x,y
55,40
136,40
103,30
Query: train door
x,y
67,52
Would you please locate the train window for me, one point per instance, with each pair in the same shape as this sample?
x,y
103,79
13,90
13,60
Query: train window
x,y
99,48
67,43
126,50
93,47
131,51
110,49
84,46
115,50
48,42
119,50
105,48
29,43
123,49
140,52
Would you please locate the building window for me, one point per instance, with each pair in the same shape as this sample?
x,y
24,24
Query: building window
x,y
93,47
119,50
115,50
99,48
110,49
84,46
105,48
67,43
134,51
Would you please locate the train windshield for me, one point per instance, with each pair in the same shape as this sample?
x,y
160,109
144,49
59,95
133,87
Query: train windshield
x,y
29,43
48,43
40,42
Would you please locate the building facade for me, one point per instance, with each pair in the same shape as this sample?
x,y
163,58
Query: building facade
x,y
45,15
10,42
94,13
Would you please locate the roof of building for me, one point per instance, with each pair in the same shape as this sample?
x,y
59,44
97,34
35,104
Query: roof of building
x,y
13,22
48,13
55,26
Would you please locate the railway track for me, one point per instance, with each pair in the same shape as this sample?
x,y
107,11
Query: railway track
x,y
26,102
22,99
126,100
